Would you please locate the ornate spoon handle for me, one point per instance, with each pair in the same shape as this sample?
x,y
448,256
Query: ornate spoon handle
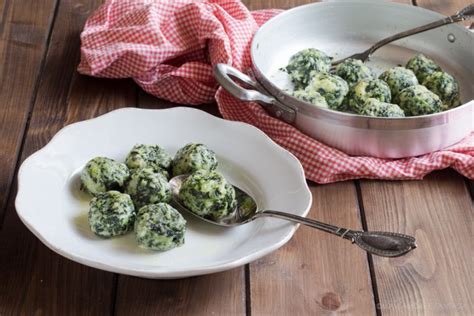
x,y
385,244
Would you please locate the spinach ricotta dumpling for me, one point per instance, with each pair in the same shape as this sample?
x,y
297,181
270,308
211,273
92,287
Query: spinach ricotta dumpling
x,y
103,174
418,100
311,96
159,227
398,78
444,86
353,71
332,88
149,156
304,64
146,186
111,214
376,108
366,89
208,194
422,66
193,157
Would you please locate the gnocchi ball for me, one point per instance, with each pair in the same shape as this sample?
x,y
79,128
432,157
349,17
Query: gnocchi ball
x,y
193,157
208,194
366,89
418,100
111,214
304,64
146,186
377,108
159,227
422,66
312,97
353,71
445,87
398,78
332,88
103,174
149,156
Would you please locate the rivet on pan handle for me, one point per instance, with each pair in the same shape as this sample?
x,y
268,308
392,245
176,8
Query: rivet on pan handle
x,y
223,74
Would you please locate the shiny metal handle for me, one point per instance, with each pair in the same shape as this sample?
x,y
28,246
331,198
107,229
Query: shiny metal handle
x,y
222,72
464,14
385,244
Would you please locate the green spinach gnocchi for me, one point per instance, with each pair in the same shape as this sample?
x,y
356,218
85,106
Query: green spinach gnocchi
x,y
146,186
368,89
103,174
352,87
353,71
111,214
422,66
418,100
398,78
445,86
149,156
377,108
134,195
311,96
193,157
159,227
332,88
208,194
304,64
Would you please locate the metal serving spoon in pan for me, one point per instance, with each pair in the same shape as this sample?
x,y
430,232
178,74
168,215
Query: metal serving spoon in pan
x,y
385,244
464,14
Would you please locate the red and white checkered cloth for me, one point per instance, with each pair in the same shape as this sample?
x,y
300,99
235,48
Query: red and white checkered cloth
x,y
169,48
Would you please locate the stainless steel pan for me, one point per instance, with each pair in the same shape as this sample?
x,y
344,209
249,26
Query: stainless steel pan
x,y
340,29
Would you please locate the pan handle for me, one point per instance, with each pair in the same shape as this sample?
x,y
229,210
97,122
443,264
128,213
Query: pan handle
x,y
223,73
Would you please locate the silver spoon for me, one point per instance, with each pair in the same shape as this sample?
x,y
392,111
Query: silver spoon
x,y
383,244
464,14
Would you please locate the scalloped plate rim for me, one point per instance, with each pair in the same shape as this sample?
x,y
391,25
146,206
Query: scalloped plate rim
x,y
149,273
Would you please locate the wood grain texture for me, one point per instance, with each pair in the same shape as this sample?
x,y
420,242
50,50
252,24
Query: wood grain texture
x,y
24,28
286,4
446,7
33,279
216,294
147,101
436,278
316,273
274,4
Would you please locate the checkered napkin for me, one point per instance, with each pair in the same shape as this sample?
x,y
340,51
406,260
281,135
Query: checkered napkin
x,y
169,47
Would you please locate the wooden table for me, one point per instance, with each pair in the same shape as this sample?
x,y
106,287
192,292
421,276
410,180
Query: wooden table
x,y
313,274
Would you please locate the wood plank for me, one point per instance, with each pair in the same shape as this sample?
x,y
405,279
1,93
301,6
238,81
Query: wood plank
x,y
34,280
147,101
216,294
445,7
321,274
275,4
24,28
436,278
286,4
316,273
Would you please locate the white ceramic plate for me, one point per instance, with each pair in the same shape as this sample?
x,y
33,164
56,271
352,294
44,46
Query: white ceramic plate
x,y
51,205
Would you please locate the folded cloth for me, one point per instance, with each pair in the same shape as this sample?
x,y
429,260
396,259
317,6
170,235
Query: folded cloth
x,y
169,48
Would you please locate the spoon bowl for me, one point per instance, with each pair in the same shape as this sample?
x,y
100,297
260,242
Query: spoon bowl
x,y
244,212
386,244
